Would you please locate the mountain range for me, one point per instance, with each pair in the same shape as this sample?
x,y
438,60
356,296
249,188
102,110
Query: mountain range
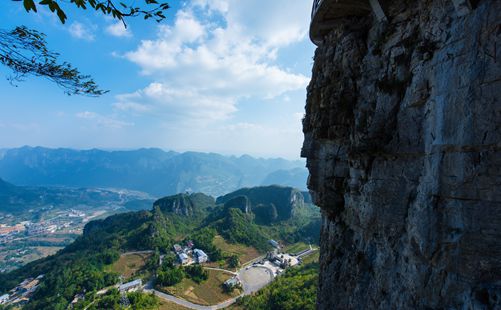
x,y
153,171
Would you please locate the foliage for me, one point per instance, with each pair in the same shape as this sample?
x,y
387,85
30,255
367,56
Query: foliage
x,y
202,238
197,273
25,52
152,262
80,267
118,10
170,276
233,261
238,227
138,300
74,277
295,290
160,231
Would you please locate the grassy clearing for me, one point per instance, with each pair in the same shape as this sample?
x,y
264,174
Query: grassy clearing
x,y
296,247
244,252
209,292
167,305
130,265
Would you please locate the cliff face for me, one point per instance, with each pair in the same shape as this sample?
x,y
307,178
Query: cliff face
x,y
403,143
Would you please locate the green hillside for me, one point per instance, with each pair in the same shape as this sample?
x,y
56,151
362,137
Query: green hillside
x,y
198,217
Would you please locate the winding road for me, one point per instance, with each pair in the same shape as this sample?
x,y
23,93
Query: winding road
x,y
246,276
190,305
252,278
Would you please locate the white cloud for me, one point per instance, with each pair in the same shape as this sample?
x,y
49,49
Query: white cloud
x,y
103,121
81,31
118,30
214,55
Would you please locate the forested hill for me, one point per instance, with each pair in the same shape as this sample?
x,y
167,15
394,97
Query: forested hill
x,y
268,203
198,217
148,170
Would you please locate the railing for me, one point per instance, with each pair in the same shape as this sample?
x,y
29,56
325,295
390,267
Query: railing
x,y
316,5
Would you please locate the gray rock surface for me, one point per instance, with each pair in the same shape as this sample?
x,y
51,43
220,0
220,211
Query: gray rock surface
x,y
403,144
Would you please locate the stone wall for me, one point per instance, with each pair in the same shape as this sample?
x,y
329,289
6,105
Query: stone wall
x,y
403,143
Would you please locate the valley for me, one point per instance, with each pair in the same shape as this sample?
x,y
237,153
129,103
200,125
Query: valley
x,y
234,231
39,221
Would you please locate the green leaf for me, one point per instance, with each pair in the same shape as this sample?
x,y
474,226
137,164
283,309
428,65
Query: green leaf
x,y
29,5
61,15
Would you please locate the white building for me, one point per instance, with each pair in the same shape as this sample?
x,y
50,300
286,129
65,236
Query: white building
x,y
232,282
4,299
131,286
274,244
200,256
183,258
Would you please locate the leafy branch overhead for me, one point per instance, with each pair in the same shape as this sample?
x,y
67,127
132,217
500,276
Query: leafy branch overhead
x,y
25,52
117,9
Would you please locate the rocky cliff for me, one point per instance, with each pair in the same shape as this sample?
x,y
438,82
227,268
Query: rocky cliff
x,y
403,144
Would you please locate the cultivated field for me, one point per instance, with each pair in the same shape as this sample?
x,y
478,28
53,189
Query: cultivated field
x,y
296,247
244,252
167,305
313,257
209,292
129,265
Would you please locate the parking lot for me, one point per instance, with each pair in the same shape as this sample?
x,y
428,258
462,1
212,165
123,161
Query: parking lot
x,y
254,278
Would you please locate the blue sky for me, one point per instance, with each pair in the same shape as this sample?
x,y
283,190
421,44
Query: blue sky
x,y
226,76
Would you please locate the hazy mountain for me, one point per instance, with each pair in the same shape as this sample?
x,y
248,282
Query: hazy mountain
x,y
149,170
293,177
12,197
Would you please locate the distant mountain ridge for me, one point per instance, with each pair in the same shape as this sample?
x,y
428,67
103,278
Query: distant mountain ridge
x,y
150,170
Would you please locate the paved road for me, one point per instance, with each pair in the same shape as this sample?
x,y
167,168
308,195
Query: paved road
x,y
137,252
223,270
255,278
193,306
259,276
263,275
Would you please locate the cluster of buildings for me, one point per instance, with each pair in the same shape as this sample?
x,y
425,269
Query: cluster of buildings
x,y
186,255
27,228
282,261
42,228
22,292
8,233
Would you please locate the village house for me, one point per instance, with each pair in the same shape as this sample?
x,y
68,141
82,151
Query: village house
x,y
177,248
200,256
183,258
274,244
4,299
232,283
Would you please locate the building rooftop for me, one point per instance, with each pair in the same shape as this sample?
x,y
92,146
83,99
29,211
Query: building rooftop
x,y
199,252
131,284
